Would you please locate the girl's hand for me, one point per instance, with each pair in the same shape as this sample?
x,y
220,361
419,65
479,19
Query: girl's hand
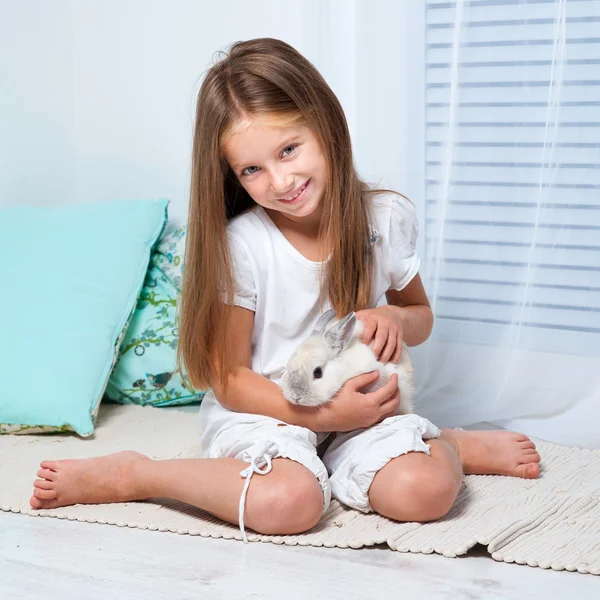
x,y
386,332
351,409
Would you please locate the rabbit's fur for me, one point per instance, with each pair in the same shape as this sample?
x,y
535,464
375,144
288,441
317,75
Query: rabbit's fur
x,y
332,355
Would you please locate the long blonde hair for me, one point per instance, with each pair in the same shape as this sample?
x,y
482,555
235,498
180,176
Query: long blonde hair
x,y
261,78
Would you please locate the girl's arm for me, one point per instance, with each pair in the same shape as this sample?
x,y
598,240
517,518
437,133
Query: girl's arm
x,y
411,308
250,392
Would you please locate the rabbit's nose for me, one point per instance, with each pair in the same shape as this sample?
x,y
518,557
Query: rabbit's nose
x,y
297,382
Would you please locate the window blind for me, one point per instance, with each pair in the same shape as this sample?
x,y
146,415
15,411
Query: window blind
x,y
512,139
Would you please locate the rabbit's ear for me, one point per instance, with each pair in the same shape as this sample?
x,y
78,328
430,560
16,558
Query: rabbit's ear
x,y
340,335
323,320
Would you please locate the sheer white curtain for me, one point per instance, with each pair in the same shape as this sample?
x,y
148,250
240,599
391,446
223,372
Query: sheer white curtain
x,y
512,216
487,114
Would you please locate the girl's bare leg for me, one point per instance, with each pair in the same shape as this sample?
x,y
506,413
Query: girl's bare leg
x,y
287,500
418,487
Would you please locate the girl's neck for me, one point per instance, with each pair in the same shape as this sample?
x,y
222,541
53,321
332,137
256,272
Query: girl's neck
x,y
303,234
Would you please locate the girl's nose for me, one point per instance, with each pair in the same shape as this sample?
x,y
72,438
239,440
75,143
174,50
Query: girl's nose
x,y
281,182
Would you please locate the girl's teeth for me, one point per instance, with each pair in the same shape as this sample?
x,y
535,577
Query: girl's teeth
x,y
294,197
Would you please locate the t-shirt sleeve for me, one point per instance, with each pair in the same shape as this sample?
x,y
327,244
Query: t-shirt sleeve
x,y
404,230
244,287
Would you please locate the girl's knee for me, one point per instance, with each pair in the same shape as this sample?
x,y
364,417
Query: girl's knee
x,y
437,492
285,504
416,494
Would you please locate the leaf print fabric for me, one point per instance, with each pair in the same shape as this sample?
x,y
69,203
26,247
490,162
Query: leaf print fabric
x,y
145,372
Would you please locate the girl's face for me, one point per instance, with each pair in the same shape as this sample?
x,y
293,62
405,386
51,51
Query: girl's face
x,y
281,167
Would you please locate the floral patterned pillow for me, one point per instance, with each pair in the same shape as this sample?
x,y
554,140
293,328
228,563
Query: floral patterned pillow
x,y
145,372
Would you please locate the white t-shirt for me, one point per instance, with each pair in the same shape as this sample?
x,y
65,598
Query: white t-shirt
x,y
281,286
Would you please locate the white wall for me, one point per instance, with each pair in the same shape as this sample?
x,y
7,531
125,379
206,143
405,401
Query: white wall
x,y
97,98
36,103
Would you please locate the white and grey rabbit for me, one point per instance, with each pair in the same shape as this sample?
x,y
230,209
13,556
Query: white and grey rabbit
x,y
332,355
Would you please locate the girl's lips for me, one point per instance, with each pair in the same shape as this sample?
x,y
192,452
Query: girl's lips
x,y
297,198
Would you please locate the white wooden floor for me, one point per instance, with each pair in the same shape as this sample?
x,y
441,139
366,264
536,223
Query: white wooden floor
x,y
47,558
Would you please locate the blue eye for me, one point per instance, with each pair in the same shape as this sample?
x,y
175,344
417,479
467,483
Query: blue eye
x,y
244,172
290,148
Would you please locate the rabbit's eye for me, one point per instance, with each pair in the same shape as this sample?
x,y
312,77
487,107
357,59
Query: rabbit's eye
x,y
318,373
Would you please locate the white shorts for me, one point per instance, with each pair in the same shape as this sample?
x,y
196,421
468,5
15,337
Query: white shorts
x,y
348,466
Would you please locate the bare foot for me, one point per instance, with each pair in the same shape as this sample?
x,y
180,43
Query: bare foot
x,y
495,453
86,481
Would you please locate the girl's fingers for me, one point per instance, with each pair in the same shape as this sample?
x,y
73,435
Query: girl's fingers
x,y
385,392
390,409
361,381
390,406
398,350
381,338
389,349
368,331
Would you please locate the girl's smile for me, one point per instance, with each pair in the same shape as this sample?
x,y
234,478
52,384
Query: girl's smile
x,y
297,197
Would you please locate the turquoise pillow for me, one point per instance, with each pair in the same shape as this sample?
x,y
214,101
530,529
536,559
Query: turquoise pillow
x,y
146,370
71,277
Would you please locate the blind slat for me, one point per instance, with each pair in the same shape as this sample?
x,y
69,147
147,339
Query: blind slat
x,y
524,133
518,11
511,33
537,295
516,74
518,175
463,308
577,154
515,52
494,95
481,231
547,255
515,273
527,114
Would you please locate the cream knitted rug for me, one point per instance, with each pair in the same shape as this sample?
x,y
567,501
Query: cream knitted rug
x,y
552,522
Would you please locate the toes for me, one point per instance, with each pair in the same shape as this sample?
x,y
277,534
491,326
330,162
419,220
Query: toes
x,y
42,504
530,457
523,439
50,464
527,444
42,484
47,474
44,494
528,471
35,503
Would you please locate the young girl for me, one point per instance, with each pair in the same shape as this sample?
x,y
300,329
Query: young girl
x,y
280,229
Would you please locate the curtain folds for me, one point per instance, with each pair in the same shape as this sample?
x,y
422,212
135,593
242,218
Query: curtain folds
x,y
512,216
